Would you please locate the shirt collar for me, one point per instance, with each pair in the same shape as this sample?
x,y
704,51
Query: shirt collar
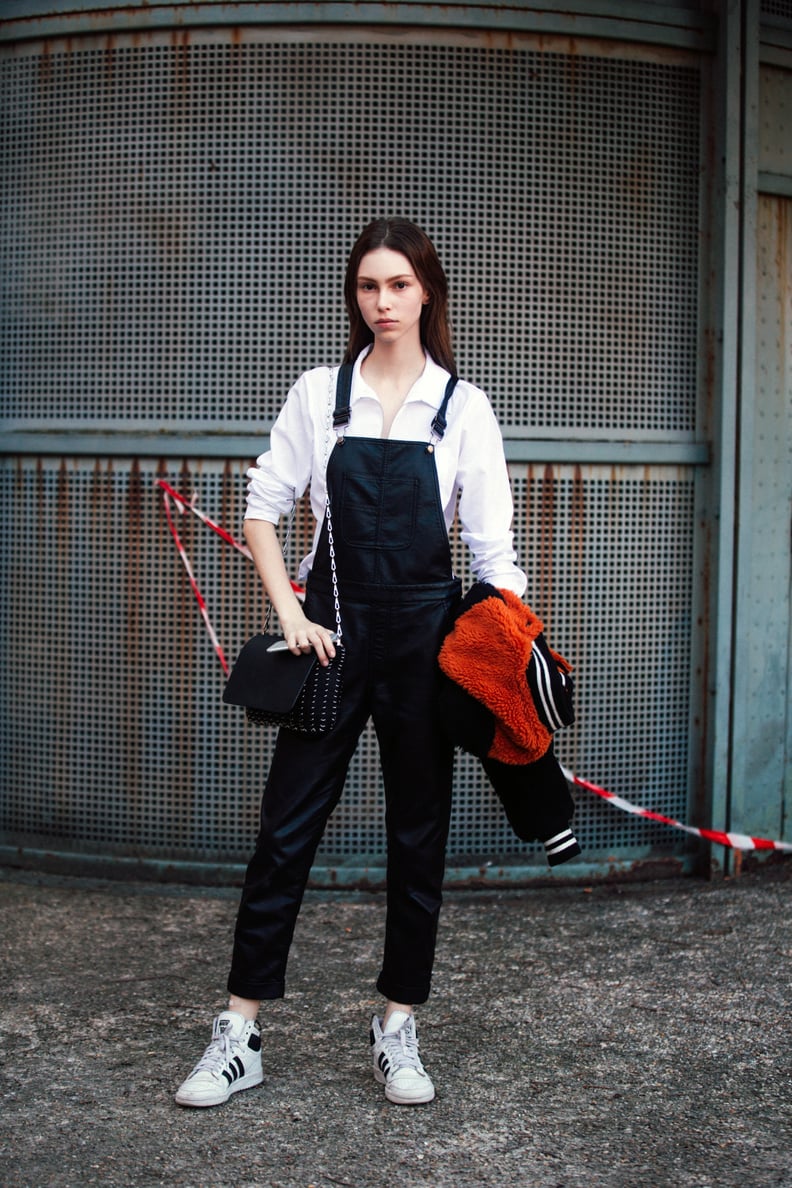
x,y
429,387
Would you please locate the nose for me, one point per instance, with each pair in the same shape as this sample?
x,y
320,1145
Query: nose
x,y
383,299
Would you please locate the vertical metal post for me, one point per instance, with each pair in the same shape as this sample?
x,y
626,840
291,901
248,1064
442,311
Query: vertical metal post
x,y
746,394
728,257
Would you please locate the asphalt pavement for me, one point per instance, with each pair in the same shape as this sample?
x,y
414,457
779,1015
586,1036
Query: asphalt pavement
x,y
626,1034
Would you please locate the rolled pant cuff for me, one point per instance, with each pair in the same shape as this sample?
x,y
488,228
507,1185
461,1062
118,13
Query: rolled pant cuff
x,y
400,992
256,992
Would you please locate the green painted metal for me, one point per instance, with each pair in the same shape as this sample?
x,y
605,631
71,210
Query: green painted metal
x,y
775,43
779,184
762,744
238,445
745,628
344,876
750,743
762,741
726,314
685,27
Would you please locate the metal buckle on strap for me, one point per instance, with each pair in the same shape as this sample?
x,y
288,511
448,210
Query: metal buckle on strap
x,y
439,422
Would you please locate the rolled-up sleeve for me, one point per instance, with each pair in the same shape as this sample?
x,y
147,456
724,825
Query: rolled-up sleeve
x,y
282,474
486,507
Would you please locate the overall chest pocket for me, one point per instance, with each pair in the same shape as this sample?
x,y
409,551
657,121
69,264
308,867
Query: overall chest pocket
x,y
380,514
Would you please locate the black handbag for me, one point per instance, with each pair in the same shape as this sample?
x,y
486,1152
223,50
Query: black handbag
x,y
281,689
278,688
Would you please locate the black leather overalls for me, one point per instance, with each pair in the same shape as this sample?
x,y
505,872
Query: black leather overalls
x,y
397,592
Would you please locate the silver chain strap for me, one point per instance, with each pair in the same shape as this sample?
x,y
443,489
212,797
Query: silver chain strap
x,y
328,516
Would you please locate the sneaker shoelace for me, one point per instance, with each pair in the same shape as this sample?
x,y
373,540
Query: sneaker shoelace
x,y
402,1049
217,1055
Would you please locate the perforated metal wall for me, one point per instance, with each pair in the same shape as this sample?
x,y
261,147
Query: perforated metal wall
x,y
777,8
114,731
178,218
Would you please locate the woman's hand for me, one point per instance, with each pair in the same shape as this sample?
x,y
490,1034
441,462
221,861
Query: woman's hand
x,y
299,632
301,635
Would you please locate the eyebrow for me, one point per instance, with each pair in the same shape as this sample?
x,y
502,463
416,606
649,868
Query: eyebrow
x,y
391,279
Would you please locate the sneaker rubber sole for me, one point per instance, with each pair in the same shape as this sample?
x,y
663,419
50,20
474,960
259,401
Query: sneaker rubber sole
x,y
421,1095
201,1100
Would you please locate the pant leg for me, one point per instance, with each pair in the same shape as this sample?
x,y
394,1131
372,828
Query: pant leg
x,y
417,763
305,783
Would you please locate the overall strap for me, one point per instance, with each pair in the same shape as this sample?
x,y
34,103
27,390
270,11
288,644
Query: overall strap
x,y
440,424
343,411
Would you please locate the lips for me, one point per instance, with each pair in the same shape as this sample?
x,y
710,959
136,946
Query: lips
x,y
386,322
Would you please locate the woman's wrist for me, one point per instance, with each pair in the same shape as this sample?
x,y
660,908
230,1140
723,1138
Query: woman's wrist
x,y
292,624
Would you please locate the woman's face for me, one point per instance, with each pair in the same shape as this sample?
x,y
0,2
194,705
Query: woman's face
x,y
390,296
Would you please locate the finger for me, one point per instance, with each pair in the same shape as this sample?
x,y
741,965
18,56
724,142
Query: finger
x,y
329,648
323,644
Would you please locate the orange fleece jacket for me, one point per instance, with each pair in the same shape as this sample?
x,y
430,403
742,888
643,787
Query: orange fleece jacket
x,y
487,653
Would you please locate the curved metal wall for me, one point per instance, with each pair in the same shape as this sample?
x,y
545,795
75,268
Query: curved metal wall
x,y
179,209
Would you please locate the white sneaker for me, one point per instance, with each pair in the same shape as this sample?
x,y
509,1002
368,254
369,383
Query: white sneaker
x,y
230,1063
397,1065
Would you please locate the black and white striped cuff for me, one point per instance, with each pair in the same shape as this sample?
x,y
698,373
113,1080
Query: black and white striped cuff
x,y
561,848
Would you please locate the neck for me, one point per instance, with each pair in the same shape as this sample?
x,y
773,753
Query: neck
x,y
399,361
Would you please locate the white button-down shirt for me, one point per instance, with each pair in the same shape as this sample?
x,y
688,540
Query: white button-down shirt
x,y
470,460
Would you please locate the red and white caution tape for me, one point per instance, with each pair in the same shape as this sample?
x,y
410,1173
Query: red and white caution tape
x,y
737,841
169,496
189,505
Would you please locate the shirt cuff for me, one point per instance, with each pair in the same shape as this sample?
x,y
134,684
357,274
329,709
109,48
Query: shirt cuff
x,y
512,579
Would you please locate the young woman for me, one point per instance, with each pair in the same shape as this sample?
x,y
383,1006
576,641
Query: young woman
x,y
393,473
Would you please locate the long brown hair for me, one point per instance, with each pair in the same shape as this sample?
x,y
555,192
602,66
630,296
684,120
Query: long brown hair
x,y
400,235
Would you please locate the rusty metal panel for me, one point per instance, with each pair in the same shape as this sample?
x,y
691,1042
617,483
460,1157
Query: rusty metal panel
x,y
178,214
685,23
115,737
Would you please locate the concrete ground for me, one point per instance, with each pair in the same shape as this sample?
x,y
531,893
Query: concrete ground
x,y
617,1035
